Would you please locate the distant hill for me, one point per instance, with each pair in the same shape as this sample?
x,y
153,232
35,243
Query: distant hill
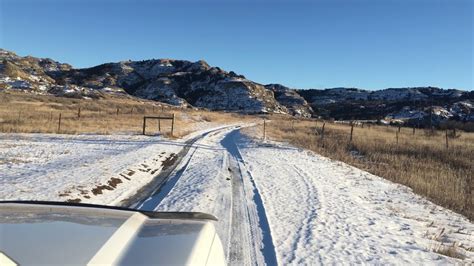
x,y
397,105
184,83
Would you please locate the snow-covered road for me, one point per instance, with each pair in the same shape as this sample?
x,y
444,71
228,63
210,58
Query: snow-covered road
x,y
280,204
211,179
324,212
276,204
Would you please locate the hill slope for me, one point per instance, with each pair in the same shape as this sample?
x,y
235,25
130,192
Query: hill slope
x,y
184,83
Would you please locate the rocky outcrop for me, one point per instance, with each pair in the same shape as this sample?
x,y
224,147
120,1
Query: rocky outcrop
x,y
176,82
184,83
295,104
394,104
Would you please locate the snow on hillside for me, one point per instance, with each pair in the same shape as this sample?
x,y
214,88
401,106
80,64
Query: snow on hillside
x,y
462,110
16,83
177,82
184,83
406,113
327,96
410,94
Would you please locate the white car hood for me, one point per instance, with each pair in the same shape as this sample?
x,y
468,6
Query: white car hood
x,y
32,234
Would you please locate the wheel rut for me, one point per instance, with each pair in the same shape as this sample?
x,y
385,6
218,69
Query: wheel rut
x,y
250,240
170,170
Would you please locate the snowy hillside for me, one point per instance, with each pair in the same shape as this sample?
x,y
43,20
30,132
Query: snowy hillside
x,y
184,83
403,105
177,82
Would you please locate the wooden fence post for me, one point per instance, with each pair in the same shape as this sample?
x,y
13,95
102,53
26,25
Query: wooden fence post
x,y
447,144
59,123
413,130
352,130
397,136
159,125
51,116
118,111
79,113
322,134
264,129
172,126
144,125
468,192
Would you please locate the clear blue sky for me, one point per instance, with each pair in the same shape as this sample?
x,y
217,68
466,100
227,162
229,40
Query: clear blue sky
x,y
304,44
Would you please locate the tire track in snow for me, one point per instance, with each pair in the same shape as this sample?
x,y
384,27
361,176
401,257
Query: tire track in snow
x,y
306,231
150,196
248,237
154,200
259,228
239,237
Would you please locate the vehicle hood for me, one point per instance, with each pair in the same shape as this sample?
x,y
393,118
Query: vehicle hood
x,y
33,234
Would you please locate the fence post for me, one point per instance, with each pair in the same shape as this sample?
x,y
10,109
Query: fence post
x,y
447,144
144,125
117,111
454,132
352,130
59,123
172,126
51,116
159,125
264,129
322,134
79,113
413,130
397,136
468,193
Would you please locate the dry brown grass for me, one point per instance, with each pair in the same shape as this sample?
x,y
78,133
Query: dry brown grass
x,y
452,251
27,113
420,161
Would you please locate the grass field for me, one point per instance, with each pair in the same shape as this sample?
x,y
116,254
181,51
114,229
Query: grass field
x,y
421,160
28,113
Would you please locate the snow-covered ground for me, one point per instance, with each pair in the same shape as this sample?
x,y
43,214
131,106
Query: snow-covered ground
x,y
301,208
323,211
275,203
89,168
